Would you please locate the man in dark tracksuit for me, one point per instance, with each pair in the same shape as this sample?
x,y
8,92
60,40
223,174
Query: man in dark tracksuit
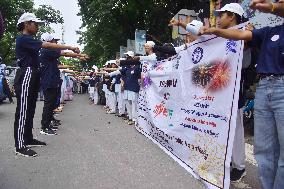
x,y
27,82
50,82
26,87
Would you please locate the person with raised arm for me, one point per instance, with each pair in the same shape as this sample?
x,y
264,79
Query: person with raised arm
x,y
27,81
269,97
267,6
50,81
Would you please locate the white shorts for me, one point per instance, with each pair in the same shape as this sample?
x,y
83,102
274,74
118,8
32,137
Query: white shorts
x,y
130,95
117,88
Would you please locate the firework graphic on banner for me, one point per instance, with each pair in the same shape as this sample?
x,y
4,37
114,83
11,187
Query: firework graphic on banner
x,y
212,77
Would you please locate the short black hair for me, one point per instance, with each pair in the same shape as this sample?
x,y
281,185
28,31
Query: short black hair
x,y
21,26
238,17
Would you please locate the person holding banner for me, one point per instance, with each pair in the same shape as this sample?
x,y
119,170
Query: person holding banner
x,y
269,7
269,99
151,56
230,15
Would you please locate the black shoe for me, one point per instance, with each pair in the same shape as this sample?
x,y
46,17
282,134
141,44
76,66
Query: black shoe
x,y
237,175
26,152
56,120
54,128
53,123
35,142
124,117
47,131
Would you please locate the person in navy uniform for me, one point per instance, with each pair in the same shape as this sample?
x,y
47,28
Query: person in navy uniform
x,y
269,97
50,81
27,82
111,88
131,89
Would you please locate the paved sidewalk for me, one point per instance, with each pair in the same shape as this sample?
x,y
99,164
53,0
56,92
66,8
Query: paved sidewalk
x,y
93,150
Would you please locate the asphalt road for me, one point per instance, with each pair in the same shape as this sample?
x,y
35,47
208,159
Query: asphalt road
x,y
93,150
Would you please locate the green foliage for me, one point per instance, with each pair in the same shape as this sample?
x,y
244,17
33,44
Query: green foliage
x,y
11,11
109,23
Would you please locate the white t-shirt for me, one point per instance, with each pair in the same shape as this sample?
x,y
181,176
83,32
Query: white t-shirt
x,y
179,48
150,58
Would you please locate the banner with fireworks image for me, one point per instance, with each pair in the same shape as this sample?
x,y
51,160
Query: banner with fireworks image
x,y
188,106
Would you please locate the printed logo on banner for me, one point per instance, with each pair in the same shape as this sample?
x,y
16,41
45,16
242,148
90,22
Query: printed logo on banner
x,y
212,77
197,55
231,46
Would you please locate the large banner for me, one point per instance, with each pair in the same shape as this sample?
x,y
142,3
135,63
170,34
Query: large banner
x,y
188,107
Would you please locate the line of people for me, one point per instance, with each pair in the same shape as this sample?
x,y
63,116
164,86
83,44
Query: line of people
x,y
268,43
38,67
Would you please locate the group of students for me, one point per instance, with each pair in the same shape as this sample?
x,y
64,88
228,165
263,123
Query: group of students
x,y
117,88
38,67
269,99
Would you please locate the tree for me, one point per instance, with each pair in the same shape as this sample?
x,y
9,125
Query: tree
x,y
110,23
11,11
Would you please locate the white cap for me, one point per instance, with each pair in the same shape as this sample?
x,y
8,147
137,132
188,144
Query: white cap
x,y
48,37
129,53
94,67
112,62
3,65
231,7
150,44
194,26
28,17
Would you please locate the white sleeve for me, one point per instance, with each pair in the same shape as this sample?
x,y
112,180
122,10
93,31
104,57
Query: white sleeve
x,y
151,57
194,27
187,28
117,72
113,81
180,48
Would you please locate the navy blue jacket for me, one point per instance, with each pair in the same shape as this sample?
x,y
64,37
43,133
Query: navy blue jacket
x,y
27,51
132,74
50,74
270,40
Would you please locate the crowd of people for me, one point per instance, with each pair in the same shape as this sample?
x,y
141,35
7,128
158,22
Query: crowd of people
x,y
117,84
263,50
